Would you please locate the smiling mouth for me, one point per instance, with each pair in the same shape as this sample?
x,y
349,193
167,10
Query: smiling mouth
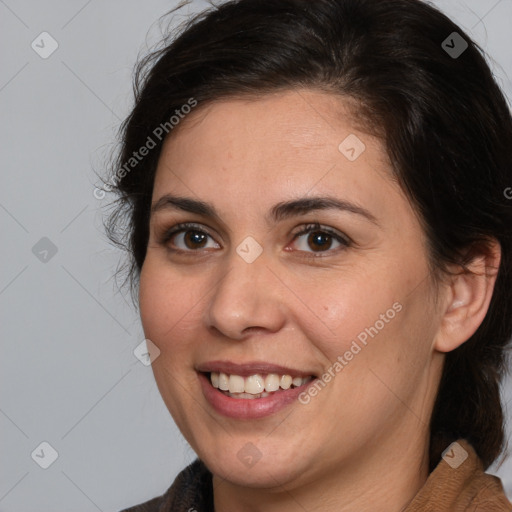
x,y
255,386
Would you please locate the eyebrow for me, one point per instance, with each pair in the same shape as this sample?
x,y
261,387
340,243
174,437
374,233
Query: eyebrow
x,y
278,212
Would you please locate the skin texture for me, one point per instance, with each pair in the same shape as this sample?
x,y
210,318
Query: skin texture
x,y
362,442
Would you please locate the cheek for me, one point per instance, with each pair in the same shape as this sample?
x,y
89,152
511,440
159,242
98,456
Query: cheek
x,y
167,311
376,321
168,305
385,350
346,307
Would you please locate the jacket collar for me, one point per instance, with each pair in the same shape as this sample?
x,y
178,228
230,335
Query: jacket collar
x,y
458,483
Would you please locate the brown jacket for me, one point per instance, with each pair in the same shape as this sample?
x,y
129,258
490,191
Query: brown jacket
x,y
457,484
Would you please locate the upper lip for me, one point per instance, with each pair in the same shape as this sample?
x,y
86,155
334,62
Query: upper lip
x,y
249,368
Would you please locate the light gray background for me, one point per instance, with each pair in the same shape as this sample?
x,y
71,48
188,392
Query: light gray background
x,y
68,373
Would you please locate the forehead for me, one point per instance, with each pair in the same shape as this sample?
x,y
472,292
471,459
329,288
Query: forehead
x,y
293,132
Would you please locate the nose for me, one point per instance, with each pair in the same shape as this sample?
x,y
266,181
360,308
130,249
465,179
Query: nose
x,y
247,298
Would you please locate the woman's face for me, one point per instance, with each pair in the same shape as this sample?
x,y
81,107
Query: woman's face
x,y
249,295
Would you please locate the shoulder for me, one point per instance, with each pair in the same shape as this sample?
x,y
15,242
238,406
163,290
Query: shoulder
x,y
489,495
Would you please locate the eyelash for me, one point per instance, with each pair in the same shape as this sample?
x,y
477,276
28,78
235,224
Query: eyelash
x,y
344,240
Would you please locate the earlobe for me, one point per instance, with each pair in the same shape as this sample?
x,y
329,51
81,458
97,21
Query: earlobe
x,y
468,297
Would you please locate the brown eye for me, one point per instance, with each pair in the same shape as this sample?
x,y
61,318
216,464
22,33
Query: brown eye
x,y
188,238
319,239
194,239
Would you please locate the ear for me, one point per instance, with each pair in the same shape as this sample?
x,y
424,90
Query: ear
x,y
467,298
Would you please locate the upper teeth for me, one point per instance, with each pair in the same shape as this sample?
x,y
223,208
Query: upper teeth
x,y
255,384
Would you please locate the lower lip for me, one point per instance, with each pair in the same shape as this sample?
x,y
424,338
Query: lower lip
x,y
249,408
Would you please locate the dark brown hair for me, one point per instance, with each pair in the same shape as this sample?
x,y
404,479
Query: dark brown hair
x,y
446,125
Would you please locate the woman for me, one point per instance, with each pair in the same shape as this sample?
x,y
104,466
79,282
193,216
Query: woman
x,y
320,238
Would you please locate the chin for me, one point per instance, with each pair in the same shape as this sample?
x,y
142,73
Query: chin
x,y
263,475
248,466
